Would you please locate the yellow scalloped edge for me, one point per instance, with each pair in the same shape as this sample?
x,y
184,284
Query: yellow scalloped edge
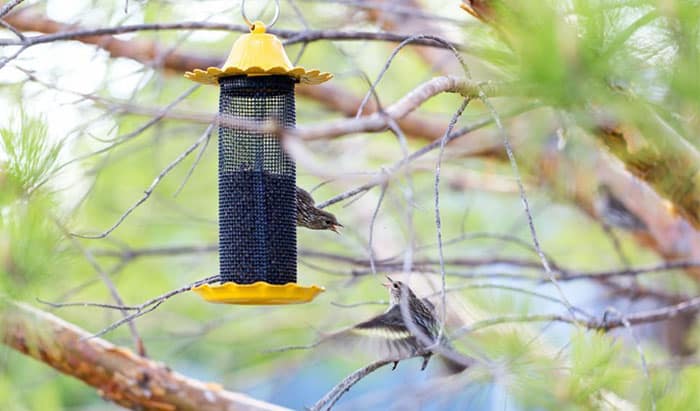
x,y
259,293
211,75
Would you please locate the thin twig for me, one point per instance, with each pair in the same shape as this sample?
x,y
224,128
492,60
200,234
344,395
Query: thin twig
x,y
147,193
382,193
410,40
87,304
156,117
523,198
292,36
12,29
197,159
138,341
642,317
640,352
409,195
7,7
438,222
152,304
328,400
415,155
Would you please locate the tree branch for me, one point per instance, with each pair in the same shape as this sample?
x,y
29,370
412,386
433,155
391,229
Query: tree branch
x,y
118,374
407,104
344,386
330,96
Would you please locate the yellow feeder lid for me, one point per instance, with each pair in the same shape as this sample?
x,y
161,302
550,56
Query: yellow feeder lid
x,y
257,54
259,293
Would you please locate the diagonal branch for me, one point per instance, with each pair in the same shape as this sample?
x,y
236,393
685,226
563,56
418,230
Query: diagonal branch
x,y
145,51
119,375
344,386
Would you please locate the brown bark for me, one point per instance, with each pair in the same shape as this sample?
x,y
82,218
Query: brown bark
x,y
118,374
648,147
662,159
331,96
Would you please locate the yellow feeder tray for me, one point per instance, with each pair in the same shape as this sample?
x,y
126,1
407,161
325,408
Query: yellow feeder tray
x,y
259,293
258,54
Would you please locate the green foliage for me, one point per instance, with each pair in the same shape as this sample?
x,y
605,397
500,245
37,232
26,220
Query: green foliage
x,y
29,239
595,369
30,157
679,391
570,54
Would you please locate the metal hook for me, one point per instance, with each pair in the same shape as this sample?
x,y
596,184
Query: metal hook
x,y
274,18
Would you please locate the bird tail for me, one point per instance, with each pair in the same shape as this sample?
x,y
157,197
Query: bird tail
x,y
458,363
452,366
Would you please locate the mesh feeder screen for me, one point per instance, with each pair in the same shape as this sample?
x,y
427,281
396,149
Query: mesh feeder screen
x,y
257,184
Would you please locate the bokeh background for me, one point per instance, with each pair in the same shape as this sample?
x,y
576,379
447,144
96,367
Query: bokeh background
x,y
599,100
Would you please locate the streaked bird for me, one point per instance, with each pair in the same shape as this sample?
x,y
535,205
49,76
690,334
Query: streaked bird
x,y
309,216
614,213
390,337
390,334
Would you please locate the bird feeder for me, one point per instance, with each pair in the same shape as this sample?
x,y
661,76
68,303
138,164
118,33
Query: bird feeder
x,y
257,179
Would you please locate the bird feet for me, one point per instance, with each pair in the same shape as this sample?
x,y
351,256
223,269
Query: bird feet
x,y
395,364
425,363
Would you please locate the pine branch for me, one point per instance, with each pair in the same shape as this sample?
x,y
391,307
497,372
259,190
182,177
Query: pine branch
x,y
118,374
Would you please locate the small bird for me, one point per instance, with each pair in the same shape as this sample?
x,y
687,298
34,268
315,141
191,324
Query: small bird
x,y
394,335
391,327
309,216
388,334
614,212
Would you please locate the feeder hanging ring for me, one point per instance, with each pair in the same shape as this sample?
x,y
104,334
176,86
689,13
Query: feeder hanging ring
x,y
252,24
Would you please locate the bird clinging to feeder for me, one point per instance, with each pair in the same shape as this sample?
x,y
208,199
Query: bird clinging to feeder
x,y
257,179
310,216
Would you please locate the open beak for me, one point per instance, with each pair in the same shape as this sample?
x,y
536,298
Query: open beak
x,y
334,228
389,284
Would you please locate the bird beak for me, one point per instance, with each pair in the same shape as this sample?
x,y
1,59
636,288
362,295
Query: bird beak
x,y
334,228
387,285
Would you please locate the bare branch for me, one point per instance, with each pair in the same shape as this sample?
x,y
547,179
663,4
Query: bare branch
x,y
344,386
330,96
291,36
436,194
7,7
147,193
139,310
642,317
407,104
138,341
390,171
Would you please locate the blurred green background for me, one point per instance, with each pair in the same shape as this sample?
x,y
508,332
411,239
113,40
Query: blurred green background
x,y
69,156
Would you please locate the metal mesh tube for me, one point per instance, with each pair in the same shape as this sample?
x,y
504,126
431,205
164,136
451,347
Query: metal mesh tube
x,y
257,184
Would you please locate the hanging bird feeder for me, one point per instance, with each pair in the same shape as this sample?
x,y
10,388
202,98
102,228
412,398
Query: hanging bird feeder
x,y
257,179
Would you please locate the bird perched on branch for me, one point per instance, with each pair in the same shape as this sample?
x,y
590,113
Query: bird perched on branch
x,y
393,338
309,216
403,339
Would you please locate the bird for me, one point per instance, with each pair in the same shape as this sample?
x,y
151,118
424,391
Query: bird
x,y
614,213
309,216
388,335
395,337
391,327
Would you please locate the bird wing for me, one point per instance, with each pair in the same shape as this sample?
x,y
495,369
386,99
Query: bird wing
x,y
385,335
304,197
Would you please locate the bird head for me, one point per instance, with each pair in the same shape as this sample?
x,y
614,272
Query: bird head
x,y
397,290
323,220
